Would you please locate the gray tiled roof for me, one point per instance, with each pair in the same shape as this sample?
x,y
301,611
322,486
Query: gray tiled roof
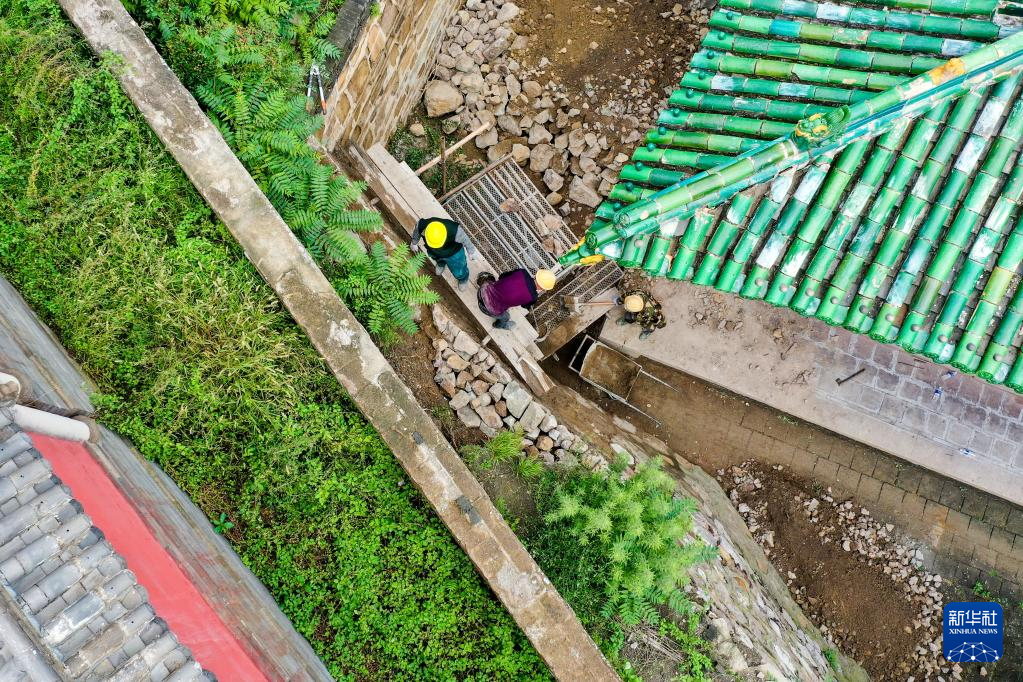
x,y
69,606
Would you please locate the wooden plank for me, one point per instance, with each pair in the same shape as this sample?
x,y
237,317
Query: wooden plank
x,y
406,199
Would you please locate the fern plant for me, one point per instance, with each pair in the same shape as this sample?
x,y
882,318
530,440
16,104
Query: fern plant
x,y
268,128
384,290
641,527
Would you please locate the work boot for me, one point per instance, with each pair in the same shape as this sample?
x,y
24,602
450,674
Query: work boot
x,y
498,325
644,335
439,270
463,284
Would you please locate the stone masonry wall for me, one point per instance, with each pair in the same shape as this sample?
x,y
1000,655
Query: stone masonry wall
x,y
383,78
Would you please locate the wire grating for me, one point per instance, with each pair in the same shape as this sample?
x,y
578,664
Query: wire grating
x,y
509,220
588,283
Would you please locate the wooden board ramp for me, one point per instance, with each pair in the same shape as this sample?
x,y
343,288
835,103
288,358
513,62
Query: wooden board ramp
x,y
407,200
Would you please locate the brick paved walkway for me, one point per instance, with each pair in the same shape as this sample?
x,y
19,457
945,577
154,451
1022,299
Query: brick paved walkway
x,y
971,432
971,534
779,358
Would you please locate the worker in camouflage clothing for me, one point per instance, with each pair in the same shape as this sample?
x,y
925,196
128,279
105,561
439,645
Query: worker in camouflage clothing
x,y
642,309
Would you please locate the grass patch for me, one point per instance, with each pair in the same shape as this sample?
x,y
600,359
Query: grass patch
x,y
203,370
416,151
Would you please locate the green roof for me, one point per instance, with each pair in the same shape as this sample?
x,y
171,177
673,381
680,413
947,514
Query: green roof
x,y
858,163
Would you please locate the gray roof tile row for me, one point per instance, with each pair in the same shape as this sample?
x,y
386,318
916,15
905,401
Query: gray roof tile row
x,y
72,596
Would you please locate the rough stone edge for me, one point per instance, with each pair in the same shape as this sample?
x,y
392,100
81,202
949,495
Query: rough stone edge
x,y
174,115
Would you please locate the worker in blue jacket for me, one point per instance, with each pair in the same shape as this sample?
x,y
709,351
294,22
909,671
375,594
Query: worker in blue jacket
x,y
447,244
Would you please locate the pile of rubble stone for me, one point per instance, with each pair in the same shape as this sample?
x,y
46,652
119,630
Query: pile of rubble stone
x,y
484,395
571,145
858,532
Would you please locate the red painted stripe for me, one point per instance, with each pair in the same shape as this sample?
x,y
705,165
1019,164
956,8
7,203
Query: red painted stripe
x,y
175,598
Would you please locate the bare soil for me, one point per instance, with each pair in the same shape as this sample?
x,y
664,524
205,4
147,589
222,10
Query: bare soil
x,y
865,610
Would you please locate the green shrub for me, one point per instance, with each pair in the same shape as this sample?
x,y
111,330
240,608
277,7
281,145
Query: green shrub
x,y
382,289
199,365
245,62
638,525
614,550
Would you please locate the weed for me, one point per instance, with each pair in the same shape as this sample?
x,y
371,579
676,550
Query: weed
x,y
529,467
831,655
221,525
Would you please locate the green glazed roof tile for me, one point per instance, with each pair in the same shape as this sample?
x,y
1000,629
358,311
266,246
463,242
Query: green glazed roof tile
x,y
827,157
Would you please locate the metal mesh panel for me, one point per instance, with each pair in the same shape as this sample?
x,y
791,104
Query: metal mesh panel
x,y
587,283
509,239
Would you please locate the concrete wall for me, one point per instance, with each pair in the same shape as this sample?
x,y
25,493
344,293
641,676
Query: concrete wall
x,y
383,78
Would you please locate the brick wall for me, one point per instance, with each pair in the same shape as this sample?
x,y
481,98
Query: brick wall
x,y
384,77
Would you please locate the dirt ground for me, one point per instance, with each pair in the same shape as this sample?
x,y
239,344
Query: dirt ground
x,y
837,589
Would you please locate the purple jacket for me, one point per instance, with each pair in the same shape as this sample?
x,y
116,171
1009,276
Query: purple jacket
x,y
515,287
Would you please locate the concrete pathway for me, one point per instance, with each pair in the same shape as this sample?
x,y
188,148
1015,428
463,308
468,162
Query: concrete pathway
x,y
968,430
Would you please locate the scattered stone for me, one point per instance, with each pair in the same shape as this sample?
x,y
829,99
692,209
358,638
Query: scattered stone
x,y
517,399
441,98
540,158
488,414
461,399
469,417
465,344
507,12
520,153
532,416
553,181
582,193
417,129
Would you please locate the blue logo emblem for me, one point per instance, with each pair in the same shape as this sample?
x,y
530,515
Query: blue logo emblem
x,y
973,632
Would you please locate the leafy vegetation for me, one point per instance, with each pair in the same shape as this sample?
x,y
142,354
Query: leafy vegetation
x,y
636,523
382,289
611,548
198,364
245,62
505,447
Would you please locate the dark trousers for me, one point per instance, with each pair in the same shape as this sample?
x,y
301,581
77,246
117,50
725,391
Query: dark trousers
x,y
502,321
456,263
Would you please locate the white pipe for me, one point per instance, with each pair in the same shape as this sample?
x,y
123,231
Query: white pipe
x,y
10,389
49,424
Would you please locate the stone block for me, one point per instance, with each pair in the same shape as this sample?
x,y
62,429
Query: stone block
x,y
869,490
517,399
469,417
531,418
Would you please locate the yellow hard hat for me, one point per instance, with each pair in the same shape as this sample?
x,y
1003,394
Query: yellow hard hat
x,y
633,303
436,234
545,279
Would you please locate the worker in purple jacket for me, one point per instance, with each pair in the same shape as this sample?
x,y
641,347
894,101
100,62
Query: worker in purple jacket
x,y
513,288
